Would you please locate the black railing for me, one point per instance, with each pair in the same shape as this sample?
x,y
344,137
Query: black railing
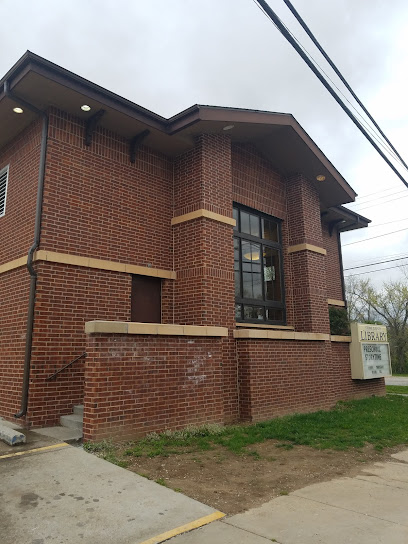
x,y
66,366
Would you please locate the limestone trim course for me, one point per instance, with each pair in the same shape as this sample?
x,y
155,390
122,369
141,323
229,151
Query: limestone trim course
x,y
306,247
203,213
122,327
280,335
88,262
260,326
334,302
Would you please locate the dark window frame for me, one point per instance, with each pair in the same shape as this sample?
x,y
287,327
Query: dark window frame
x,y
266,304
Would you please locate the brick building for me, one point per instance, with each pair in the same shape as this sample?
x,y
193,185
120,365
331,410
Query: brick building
x,y
184,266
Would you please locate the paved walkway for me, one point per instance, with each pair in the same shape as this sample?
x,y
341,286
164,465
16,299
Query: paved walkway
x,y
371,508
54,493
396,380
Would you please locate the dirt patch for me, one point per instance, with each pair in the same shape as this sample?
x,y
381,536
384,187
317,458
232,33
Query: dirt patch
x,y
234,483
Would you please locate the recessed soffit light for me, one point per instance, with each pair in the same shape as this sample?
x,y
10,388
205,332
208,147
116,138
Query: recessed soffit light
x,y
320,177
18,110
85,107
228,127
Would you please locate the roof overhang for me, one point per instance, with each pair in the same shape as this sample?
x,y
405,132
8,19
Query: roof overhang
x,y
344,219
278,136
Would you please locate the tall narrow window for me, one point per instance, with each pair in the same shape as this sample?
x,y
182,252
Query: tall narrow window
x,y
3,190
259,293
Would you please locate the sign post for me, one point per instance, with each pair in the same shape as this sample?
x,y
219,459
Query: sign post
x,y
369,352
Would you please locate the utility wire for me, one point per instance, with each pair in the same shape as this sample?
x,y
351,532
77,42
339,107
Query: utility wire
x,y
393,255
278,23
372,237
380,203
363,121
387,223
373,264
358,201
340,75
372,271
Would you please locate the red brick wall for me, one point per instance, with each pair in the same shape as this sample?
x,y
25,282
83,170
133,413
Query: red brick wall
x,y
333,271
98,204
67,297
14,287
139,384
339,381
17,225
278,377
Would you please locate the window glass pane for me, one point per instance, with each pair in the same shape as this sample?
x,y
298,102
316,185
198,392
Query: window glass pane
x,y
270,230
254,225
253,312
235,216
272,278
273,314
237,284
238,311
247,285
245,223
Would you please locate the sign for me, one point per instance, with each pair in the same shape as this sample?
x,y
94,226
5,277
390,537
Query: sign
x,y
369,352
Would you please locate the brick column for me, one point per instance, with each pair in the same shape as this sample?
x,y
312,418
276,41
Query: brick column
x,y
204,292
203,248
306,256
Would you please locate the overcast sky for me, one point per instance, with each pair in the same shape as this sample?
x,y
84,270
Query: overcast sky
x,y
169,54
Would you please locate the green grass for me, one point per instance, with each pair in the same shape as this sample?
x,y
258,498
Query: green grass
x,y
380,421
397,389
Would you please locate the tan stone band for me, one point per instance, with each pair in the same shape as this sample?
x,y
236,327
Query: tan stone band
x,y
123,327
203,213
307,247
87,262
334,302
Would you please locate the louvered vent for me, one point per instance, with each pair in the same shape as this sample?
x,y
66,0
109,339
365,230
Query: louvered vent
x,y
3,190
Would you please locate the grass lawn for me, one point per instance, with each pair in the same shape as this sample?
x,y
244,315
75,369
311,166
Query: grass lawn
x,y
379,421
403,389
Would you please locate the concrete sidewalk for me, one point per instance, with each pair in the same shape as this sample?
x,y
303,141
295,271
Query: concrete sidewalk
x,y
370,508
54,493
59,493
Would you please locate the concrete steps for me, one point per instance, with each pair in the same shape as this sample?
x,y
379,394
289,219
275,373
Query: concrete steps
x,y
74,420
70,429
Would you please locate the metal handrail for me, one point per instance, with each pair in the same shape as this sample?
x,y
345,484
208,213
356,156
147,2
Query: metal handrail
x,y
66,366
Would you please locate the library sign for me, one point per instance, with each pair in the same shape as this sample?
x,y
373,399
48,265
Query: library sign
x,y
369,352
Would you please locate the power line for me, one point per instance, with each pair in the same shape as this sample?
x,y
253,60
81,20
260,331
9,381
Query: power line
x,y
363,121
371,271
342,79
373,264
278,23
358,201
381,203
387,223
392,256
372,237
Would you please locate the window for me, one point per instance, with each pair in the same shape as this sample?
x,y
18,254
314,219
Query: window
x,y
3,190
259,293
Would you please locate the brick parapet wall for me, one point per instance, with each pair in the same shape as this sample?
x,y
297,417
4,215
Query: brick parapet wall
x,y
135,385
278,377
339,381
